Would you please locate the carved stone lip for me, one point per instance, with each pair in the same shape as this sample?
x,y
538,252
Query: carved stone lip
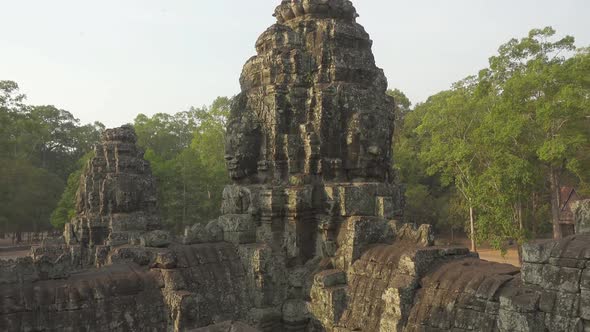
x,y
337,9
231,163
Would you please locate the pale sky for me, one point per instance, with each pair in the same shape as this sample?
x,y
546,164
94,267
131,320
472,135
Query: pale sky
x,y
109,60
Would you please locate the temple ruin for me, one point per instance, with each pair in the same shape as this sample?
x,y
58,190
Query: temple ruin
x,y
311,235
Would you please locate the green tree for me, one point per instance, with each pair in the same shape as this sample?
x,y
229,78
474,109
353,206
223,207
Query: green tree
x,y
186,151
540,110
403,105
427,200
42,140
10,98
449,143
499,138
209,144
11,104
66,207
27,196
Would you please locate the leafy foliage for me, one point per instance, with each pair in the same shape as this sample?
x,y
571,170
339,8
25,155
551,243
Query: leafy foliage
x,y
28,195
39,148
66,207
504,140
186,151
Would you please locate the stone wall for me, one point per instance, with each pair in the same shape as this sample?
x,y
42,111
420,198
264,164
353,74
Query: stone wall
x,y
150,289
114,298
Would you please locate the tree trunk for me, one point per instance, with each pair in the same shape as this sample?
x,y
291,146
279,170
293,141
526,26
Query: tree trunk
x,y
472,222
183,204
534,216
555,203
520,221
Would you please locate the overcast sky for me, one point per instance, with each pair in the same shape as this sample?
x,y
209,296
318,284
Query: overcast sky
x,y
109,60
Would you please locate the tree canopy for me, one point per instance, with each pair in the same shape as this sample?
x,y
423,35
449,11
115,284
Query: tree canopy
x,y
504,141
39,148
186,151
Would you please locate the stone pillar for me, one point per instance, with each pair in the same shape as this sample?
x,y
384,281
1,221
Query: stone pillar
x,y
582,216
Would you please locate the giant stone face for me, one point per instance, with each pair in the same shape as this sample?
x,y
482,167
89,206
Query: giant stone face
x,y
242,148
313,104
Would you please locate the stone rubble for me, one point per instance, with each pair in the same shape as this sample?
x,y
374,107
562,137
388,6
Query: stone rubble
x,y
311,234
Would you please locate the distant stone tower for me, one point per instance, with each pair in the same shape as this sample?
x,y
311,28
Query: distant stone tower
x,y
116,200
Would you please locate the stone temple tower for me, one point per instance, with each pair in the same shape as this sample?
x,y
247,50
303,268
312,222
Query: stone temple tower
x,y
309,148
116,201
310,135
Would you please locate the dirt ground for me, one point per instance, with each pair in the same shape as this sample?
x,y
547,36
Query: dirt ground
x,y
491,255
10,251
14,254
485,251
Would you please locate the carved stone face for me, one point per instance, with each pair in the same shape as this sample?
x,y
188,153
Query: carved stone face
x,y
242,148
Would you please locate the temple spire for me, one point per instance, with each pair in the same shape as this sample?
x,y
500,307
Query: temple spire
x,y
335,9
